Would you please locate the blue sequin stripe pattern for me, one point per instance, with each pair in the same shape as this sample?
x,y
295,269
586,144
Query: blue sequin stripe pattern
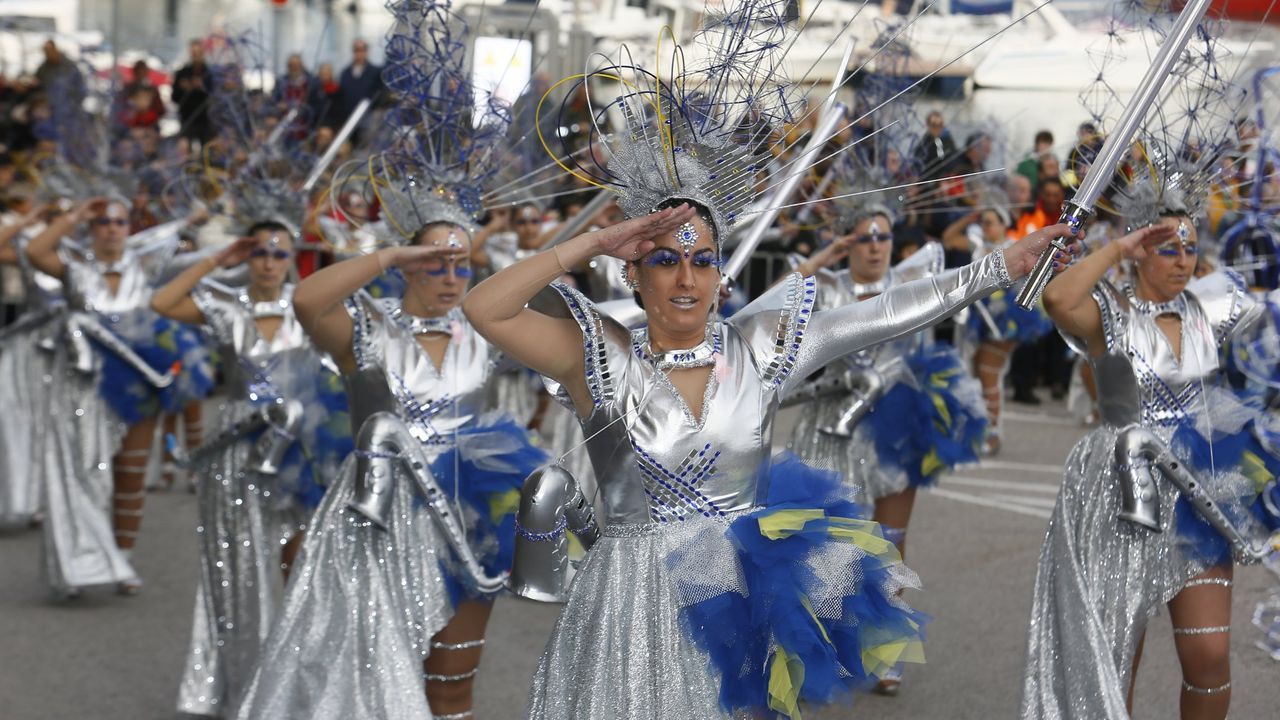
x,y
1164,408
801,292
674,495
361,330
598,377
1237,307
419,414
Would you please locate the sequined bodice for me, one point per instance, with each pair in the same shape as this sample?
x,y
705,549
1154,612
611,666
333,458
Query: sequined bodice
x,y
1171,387
395,373
256,368
86,286
656,463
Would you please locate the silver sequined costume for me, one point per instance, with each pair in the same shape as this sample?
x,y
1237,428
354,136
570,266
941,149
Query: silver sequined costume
x,y
1099,578
245,516
364,602
24,393
855,459
670,482
84,433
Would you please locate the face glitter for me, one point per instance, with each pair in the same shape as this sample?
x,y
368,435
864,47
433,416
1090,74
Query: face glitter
x,y
687,235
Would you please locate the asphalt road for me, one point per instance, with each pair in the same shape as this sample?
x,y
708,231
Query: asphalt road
x,y
974,542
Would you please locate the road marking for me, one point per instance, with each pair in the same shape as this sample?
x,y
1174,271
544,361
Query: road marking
x,y
1026,467
1042,418
988,502
1002,484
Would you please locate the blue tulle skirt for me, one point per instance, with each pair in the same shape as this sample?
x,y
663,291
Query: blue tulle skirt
x,y
484,473
1224,460
927,428
162,343
1013,321
816,613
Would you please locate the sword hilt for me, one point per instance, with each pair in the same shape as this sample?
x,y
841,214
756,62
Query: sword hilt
x,y
1074,216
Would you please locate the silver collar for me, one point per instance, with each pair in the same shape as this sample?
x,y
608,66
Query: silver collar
x,y
268,308
872,288
424,326
1150,308
701,355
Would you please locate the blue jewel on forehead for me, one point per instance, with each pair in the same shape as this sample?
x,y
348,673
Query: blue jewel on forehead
x,y
687,236
1184,231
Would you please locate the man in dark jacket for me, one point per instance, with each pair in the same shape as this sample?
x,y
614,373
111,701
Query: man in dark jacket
x,y
191,85
360,80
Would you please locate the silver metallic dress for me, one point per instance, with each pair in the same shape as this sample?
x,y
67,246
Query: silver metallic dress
x,y
25,350
671,483
856,458
1100,578
363,602
246,515
84,432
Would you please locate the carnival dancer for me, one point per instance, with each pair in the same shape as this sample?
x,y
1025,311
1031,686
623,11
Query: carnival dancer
x,y
999,324
720,584
262,475
23,388
409,547
116,366
906,411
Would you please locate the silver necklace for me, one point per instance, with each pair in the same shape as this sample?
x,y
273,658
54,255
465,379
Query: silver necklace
x,y
425,325
1151,308
701,355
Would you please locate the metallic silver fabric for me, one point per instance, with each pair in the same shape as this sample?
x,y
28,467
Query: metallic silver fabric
x,y
83,434
1100,579
364,602
358,616
855,458
244,518
24,394
658,465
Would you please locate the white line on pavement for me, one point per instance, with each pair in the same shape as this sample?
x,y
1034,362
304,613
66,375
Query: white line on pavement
x,y
1027,467
1002,484
988,502
1043,418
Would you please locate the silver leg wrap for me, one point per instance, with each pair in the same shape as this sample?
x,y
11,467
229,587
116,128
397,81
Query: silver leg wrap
x,y
893,534
82,327
1188,687
551,502
382,445
1199,582
434,677
868,386
467,645
1139,452
283,420
464,715
1211,630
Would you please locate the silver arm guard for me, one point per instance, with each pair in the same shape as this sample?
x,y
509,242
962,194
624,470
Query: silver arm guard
x,y
868,386
384,443
281,421
231,435
1138,451
26,322
82,327
551,502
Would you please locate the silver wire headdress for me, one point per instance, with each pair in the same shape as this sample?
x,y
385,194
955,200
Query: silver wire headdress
x,y
1179,148
692,128
446,134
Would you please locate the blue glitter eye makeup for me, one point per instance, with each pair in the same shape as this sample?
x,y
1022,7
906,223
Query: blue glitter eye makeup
x,y
277,254
1174,249
706,258
459,271
663,258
